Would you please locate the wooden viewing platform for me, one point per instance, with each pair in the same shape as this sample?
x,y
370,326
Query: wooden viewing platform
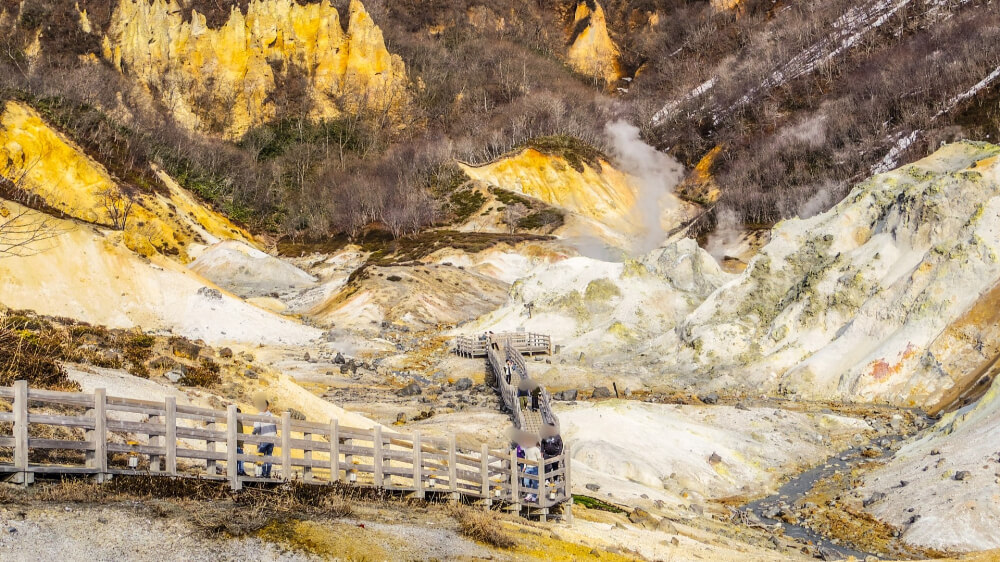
x,y
524,342
513,346
171,440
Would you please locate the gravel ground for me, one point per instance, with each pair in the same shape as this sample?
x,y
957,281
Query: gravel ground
x,y
116,534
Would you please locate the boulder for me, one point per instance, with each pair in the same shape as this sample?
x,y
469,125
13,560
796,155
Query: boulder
x,y
711,399
464,383
296,415
566,395
412,389
226,353
640,516
962,475
174,376
714,459
339,359
186,349
593,487
601,392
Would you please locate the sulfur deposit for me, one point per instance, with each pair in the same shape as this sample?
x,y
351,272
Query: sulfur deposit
x,y
223,80
44,163
592,51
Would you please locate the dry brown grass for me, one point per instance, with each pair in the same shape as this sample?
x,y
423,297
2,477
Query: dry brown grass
x,y
483,526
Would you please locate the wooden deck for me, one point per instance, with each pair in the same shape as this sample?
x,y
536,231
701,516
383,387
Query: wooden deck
x,y
171,440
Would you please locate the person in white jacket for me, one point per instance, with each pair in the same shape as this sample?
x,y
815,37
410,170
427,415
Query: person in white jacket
x,y
532,453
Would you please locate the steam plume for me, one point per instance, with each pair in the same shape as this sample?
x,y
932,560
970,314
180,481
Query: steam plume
x,y
657,175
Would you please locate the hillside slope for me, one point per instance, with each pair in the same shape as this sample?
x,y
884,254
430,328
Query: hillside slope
x,y
851,303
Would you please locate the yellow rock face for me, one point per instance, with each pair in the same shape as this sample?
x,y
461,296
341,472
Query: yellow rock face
x,y
221,79
593,52
606,195
46,164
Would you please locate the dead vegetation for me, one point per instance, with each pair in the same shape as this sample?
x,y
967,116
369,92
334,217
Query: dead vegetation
x,y
482,526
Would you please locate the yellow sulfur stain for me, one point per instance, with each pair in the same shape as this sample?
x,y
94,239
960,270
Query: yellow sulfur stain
x,y
44,163
606,195
593,52
221,80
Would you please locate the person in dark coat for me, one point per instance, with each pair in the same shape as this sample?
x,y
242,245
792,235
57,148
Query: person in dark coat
x,y
536,393
552,446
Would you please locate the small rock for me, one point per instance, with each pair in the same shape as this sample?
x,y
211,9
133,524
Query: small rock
x,y
162,362
714,459
567,395
712,398
601,392
593,487
674,541
250,374
339,359
307,357
226,353
874,498
464,383
210,294
825,553
12,530
412,389
640,516
400,418
962,475
935,452
174,376
296,415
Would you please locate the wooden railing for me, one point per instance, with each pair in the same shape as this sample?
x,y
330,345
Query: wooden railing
x,y
525,342
508,391
104,436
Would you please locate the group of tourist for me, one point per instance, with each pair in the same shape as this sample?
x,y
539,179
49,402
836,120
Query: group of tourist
x,y
539,449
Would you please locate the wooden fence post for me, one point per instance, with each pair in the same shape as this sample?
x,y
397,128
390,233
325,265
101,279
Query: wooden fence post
x,y
377,455
568,506
21,431
232,446
452,468
286,445
484,469
307,455
100,435
211,466
542,493
334,451
170,405
418,468
515,482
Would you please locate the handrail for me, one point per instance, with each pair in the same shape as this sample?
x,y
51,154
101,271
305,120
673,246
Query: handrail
x,y
188,441
525,342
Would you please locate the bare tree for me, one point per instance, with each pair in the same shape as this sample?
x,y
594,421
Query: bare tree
x,y
22,231
512,214
118,205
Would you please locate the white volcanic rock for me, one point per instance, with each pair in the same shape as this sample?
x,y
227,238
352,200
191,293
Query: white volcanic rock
x,y
949,511
849,304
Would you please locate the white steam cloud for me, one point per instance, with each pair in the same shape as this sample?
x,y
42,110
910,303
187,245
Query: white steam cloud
x,y
657,175
727,236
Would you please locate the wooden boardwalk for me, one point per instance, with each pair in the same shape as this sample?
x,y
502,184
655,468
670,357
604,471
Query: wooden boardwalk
x,y
104,436
514,346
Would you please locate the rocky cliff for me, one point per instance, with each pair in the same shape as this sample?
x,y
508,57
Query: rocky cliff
x,y
592,51
225,80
